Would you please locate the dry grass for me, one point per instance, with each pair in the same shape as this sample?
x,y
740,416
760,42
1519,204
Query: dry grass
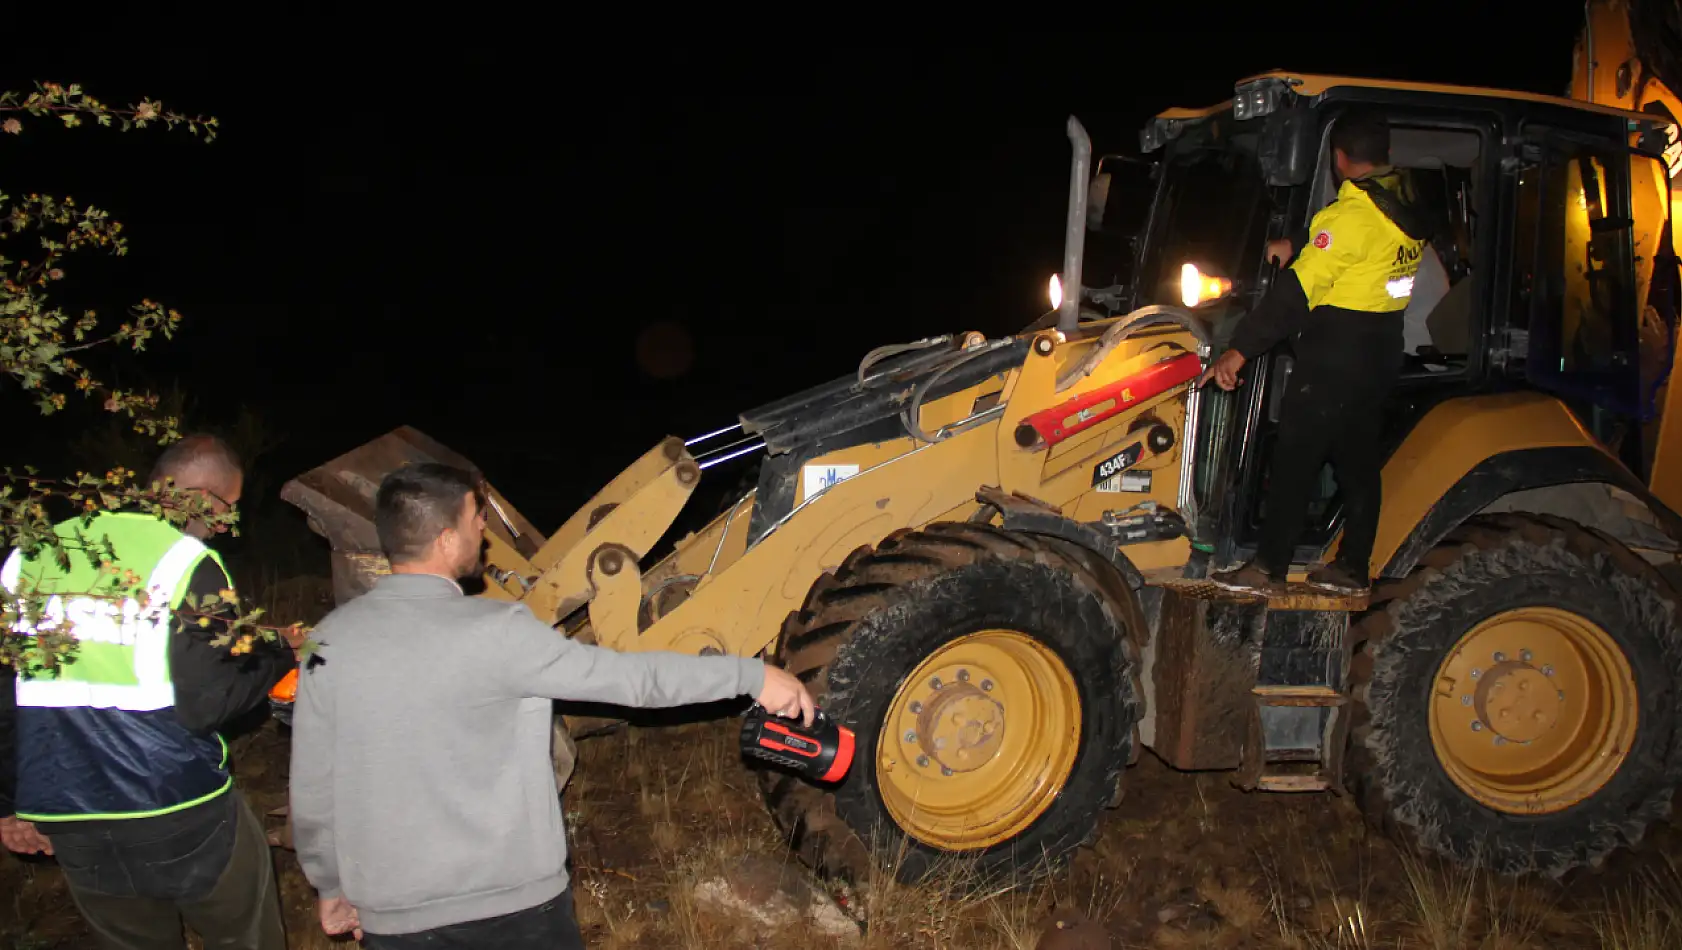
x,y
1307,876
1646,918
699,814
1384,896
1316,908
1185,862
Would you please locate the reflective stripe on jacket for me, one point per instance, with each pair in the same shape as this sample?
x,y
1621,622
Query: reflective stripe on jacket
x,y
100,739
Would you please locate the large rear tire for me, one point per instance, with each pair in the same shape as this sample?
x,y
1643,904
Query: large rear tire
x,y
993,690
1517,698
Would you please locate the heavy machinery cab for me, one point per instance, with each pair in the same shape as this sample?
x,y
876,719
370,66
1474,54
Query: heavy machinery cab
x,y
1548,302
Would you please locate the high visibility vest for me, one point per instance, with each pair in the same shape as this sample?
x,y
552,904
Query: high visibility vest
x,y
100,739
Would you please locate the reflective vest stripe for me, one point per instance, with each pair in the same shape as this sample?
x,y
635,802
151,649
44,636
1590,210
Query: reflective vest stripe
x,y
64,693
10,574
93,620
167,577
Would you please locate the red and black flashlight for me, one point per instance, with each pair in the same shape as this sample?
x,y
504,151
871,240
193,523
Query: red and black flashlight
x,y
822,752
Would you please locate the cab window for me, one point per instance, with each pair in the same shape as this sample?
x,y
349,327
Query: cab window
x,y
1572,327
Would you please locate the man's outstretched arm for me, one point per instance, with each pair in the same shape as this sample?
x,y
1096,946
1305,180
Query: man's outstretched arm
x,y
541,661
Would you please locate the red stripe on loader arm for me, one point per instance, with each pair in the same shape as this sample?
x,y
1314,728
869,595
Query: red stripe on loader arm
x,y
1076,415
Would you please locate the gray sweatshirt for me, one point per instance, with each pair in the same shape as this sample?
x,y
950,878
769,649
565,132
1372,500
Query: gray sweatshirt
x,y
423,789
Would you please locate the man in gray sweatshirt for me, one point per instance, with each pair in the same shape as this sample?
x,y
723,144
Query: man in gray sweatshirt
x,y
424,806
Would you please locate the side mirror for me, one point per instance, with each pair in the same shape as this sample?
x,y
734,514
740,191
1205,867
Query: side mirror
x,y
1289,145
1097,199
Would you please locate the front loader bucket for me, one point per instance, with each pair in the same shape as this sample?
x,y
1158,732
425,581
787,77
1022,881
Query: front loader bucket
x,y
338,497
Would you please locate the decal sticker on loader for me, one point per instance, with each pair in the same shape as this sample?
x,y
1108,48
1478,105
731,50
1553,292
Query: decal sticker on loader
x,y
816,478
1137,482
1126,482
1113,466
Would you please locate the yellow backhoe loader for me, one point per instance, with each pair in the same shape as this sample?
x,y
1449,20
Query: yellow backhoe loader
x,y
988,557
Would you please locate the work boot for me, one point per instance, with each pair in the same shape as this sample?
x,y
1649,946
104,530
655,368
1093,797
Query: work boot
x,y
1338,579
1249,579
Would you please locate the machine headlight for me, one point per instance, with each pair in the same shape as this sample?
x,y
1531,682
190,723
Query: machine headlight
x,y
1055,292
1199,288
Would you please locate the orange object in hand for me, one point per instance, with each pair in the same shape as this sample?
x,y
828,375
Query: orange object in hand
x,y
286,690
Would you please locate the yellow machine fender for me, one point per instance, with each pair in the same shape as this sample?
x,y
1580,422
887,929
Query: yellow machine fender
x,y
1467,453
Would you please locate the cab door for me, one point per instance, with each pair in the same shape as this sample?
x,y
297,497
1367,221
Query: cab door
x,y
1569,320
1453,153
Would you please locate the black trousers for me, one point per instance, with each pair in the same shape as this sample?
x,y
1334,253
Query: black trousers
x,y
548,926
136,880
1332,411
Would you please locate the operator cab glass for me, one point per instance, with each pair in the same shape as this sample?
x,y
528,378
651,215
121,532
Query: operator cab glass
x,y
1572,327
1213,212
1118,214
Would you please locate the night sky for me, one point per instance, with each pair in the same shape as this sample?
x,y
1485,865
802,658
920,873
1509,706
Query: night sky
x,y
472,237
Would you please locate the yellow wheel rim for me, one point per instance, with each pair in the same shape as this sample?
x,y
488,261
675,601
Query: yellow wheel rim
x,y
1533,711
978,741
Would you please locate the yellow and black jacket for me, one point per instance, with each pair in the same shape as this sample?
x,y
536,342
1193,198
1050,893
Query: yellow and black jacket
x,y
1351,276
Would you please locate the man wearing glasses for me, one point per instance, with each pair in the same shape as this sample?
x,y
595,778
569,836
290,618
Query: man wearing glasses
x,y
119,768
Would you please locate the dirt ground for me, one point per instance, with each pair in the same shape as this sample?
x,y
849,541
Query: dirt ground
x,y
1186,861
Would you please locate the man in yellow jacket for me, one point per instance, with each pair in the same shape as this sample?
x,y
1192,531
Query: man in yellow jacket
x,y
1342,300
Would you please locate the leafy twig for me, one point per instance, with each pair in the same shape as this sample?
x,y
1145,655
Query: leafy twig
x,y
41,350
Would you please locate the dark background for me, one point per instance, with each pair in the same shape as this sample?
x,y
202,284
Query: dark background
x,y
471,236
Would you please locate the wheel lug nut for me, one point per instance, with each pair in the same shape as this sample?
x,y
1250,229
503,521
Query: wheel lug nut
x,y
935,683
963,676
1500,657
1465,700
1525,655
922,761
1476,673
946,771
1500,740
916,707
1477,727
910,736
1548,670
987,686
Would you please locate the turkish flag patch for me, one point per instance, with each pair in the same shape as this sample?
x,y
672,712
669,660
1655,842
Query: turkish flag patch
x,y
1323,240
